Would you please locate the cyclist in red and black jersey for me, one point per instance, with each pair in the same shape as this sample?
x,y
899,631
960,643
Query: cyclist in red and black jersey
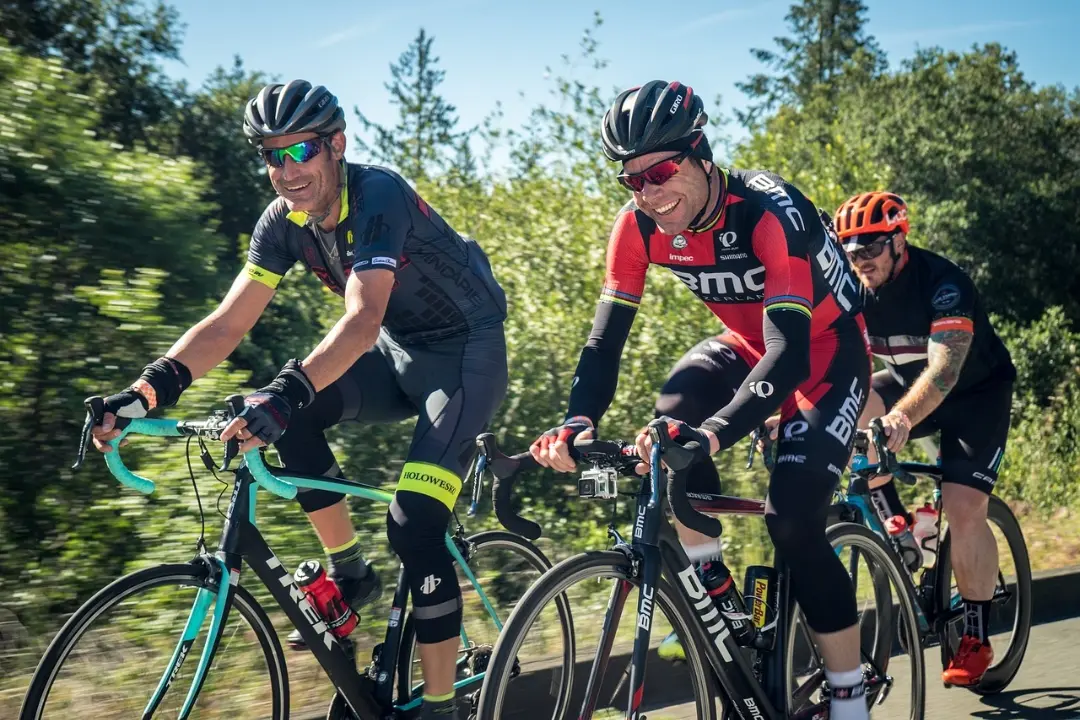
x,y
946,371
755,250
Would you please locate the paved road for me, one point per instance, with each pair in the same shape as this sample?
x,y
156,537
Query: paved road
x,y
1046,688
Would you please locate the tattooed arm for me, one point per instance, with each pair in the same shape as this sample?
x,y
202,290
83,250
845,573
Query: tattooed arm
x,y
946,353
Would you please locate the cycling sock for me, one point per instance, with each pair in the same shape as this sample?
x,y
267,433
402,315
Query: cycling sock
x,y
977,619
346,561
889,496
847,695
439,706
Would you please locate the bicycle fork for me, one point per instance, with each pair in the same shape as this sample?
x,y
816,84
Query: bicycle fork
x,y
223,569
220,599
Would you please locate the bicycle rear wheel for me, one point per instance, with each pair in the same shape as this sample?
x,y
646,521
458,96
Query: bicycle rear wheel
x,y
592,581
878,579
112,655
1010,613
505,566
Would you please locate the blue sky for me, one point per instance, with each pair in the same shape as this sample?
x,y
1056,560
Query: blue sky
x,y
496,50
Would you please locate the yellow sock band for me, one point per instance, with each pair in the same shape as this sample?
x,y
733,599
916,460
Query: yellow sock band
x,y
342,548
438,698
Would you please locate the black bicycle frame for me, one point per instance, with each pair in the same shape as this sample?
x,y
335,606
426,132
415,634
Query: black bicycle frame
x,y
241,540
655,548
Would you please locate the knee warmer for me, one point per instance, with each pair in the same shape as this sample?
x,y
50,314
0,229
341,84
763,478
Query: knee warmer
x,y
416,528
796,523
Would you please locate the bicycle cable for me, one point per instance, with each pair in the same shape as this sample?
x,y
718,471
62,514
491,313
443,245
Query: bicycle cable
x,y
200,544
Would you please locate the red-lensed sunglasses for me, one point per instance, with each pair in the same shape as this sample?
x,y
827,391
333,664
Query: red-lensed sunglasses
x,y
657,174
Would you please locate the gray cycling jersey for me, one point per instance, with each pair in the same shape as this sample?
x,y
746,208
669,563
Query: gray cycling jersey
x,y
443,282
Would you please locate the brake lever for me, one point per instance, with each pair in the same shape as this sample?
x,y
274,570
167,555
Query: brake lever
x,y
95,413
232,445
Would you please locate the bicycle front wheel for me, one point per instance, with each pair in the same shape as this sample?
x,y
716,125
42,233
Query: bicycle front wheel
x,y
505,566
601,588
120,654
878,579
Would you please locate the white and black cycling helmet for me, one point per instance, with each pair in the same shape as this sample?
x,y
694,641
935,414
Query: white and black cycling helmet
x,y
295,107
656,117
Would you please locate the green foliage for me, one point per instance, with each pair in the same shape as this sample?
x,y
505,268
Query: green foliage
x,y
86,227
425,132
116,43
827,36
209,133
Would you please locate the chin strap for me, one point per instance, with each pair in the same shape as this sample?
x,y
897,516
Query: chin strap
x,y
895,262
721,196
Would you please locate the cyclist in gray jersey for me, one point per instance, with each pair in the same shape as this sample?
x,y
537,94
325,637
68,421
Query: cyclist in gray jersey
x,y
421,335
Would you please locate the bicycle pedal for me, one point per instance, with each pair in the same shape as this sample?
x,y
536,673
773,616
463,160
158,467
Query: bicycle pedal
x,y
887,683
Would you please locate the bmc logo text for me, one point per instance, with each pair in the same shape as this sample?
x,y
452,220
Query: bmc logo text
x,y
644,618
298,597
843,424
706,610
836,274
764,184
639,524
723,283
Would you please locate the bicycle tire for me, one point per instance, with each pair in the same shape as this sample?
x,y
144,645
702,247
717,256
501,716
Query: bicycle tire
x,y
885,561
193,575
539,562
998,677
590,565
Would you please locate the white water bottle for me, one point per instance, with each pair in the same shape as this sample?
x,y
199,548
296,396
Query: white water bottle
x,y
925,531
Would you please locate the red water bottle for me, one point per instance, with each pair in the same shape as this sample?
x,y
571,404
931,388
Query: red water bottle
x,y
325,596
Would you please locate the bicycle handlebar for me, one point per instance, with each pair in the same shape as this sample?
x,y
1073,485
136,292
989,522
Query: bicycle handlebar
x,y
887,462
211,428
679,459
506,469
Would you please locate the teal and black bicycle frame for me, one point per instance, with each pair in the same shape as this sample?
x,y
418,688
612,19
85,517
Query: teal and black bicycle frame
x,y
370,694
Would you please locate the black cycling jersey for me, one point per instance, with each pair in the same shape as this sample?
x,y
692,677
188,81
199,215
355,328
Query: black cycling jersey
x,y
443,287
931,294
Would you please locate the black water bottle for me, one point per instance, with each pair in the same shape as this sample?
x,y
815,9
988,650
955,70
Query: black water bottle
x,y
721,588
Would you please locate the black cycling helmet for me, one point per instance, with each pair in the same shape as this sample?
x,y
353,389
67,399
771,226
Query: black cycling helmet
x,y
296,107
655,117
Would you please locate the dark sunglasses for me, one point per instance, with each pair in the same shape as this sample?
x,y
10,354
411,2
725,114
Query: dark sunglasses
x,y
871,251
657,174
300,152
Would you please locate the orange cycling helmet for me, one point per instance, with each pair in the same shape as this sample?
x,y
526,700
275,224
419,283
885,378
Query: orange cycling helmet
x,y
871,213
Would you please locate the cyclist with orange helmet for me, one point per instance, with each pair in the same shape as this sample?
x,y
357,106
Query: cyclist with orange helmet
x,y
946,371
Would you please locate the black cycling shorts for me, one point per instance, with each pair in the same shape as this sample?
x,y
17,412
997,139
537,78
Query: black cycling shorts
x,y
974,428
817,422
453,387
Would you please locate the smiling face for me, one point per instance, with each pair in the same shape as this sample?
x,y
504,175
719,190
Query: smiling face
x,y
310,186
677,201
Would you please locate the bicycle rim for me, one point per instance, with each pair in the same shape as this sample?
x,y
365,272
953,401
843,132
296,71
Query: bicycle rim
x,y
505,566
878,583
111,656
588,581
1010,612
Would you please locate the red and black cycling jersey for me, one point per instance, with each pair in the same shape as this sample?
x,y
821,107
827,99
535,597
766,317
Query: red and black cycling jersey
x,y
443,285
767,267
931,294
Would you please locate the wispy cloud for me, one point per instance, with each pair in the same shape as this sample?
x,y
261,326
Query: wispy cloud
x,y
360,29
933,34
719,18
